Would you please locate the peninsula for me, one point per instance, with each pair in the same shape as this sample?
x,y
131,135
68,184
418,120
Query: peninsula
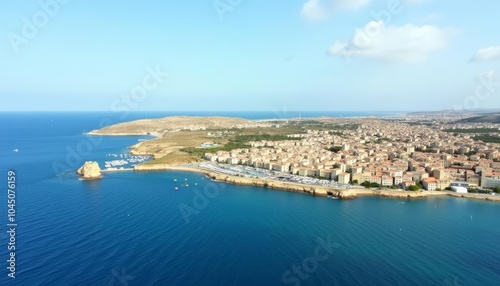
x,y
443,154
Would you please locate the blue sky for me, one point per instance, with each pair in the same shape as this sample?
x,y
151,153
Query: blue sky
x,y
249,55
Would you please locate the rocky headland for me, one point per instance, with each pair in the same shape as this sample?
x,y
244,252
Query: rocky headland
x,y
90,171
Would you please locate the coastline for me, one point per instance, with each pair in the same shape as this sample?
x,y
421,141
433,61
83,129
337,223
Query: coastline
x,y
312,189
315,190
98,133
258,182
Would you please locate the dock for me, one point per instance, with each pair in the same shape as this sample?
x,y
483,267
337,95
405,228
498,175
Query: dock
x,y
117,170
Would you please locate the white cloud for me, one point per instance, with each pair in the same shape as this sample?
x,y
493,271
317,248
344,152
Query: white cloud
x,y
318,9
487,54
407,43
312,10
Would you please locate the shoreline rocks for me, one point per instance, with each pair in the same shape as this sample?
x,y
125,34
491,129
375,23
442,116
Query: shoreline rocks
x,y
90,171
400,194
275,185
312,190
475,196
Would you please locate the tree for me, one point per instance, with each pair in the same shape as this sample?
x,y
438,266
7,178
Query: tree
x,y
368,185
355,182
470,153
335,149
414,188
365,184
485,191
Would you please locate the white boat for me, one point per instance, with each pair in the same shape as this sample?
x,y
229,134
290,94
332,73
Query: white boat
x,y
16,150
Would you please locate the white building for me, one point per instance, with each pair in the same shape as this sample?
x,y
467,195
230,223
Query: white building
x,y
460,190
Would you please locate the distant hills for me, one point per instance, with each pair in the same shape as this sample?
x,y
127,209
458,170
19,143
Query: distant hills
x,y
488,118
489,115
460,112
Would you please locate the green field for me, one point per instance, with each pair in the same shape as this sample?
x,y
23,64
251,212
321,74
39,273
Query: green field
x,y
473,130
487,138
185,145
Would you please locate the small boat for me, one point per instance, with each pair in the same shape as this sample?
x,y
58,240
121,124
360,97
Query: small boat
x,y
176,188
187,185
175,180
16,150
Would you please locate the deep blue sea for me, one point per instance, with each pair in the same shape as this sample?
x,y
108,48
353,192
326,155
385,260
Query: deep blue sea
x,y
135,229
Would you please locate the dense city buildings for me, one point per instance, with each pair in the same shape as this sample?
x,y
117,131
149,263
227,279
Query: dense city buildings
x,y
396,152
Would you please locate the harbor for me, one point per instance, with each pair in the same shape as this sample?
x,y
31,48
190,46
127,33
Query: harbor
x,y
123,162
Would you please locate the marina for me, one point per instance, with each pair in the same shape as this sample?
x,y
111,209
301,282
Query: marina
x,y
109,170
123,162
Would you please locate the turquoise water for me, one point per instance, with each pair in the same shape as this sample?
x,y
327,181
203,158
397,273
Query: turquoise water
x,y
136,229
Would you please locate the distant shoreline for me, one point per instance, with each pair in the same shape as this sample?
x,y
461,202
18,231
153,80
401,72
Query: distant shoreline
x,y
326,116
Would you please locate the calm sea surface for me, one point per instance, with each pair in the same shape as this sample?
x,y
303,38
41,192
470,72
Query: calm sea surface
x,y
136,229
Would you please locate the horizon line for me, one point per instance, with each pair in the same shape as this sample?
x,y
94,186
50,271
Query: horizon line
x,y
270,111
